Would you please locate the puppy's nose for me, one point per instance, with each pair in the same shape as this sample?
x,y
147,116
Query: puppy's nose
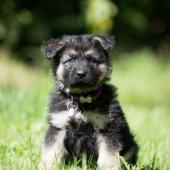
x,y
81,74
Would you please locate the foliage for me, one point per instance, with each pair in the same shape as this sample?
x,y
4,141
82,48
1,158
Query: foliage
x,y
143,22
25,24
99,15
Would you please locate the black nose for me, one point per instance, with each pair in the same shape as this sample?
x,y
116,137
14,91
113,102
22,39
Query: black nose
x,y
81,74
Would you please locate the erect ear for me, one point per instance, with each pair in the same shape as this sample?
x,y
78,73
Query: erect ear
x,y
51,47
107,42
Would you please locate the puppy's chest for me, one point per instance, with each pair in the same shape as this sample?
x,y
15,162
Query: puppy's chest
x,y
97,117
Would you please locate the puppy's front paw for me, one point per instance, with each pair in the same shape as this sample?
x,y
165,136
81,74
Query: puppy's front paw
x,y
107,164
108,167
108,159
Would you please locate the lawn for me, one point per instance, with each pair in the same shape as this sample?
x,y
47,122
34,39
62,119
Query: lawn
x,y
143,82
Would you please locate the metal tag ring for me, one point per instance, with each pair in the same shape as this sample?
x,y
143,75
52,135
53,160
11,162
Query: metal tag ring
x,y
73,105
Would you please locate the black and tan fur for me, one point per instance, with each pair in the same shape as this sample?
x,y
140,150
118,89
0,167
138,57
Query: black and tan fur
x,y
81,66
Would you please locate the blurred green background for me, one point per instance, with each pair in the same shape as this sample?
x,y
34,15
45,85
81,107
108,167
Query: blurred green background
x,y
141,71
25,24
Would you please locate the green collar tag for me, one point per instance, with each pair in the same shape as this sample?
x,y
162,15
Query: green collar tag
x,y
87,99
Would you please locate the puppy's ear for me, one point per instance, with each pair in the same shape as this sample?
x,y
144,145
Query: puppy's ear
x,y
107,42
52,47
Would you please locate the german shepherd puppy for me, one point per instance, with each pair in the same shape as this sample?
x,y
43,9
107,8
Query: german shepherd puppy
x,y
84,115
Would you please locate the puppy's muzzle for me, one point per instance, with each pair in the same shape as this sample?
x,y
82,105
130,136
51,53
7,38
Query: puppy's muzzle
x,y
81,74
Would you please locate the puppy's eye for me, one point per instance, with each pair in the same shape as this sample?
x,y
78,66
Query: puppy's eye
x,y
92,60
69,60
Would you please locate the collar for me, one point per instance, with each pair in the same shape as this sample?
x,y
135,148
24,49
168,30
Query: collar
x,y
87,98
81,98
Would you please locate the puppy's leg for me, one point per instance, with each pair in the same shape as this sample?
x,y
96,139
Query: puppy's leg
x,y
107,157
131,155
54,149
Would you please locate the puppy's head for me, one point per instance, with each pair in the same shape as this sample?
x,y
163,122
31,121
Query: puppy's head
x,y
80,62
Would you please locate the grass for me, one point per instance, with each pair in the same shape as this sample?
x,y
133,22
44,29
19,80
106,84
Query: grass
x,y
144,92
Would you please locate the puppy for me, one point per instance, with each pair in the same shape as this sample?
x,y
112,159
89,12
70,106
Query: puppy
x,y
84,113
